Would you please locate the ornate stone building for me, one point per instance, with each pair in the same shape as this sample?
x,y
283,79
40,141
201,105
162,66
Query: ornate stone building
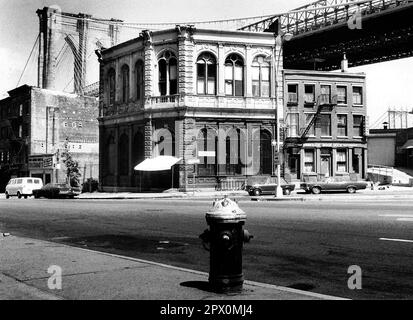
x,y
213,96
190,93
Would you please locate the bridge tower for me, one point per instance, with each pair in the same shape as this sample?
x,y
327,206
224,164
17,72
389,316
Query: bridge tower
x,y
79,32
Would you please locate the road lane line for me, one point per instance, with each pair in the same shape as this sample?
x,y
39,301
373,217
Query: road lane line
x,y
405,219
397,215
398,240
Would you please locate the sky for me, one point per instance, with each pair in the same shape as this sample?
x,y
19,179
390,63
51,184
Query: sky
x,y
389,84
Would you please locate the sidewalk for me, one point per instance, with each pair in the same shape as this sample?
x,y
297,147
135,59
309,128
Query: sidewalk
x,y
391,193
89,274
379,193
164,195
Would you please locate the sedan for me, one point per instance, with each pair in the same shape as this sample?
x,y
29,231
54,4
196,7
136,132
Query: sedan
x,y
266,185
57,190
333,184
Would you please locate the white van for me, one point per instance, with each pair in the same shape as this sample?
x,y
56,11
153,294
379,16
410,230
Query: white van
x,y
23,187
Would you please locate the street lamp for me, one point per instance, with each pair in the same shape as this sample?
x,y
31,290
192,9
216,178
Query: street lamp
x,y
279,40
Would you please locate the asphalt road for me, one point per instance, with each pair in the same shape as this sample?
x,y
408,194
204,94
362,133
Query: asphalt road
x,y
304,245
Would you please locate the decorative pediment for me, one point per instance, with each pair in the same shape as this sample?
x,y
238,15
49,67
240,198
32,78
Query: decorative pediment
x,y
206,47
235,49
261,52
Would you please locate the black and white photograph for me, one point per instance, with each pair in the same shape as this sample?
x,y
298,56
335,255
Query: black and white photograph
x,y
206,155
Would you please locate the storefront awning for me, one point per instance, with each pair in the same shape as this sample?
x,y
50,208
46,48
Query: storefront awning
x,y
157,164
408,144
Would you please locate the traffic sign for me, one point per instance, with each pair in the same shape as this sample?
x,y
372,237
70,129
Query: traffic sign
x,y
277,158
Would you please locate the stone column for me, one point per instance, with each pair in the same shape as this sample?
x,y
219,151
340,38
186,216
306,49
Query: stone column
x,y
148,139
278,77
102,138
132,79
247,73
221,70
185,59
131,165
221,151
149,62
116,174
185,138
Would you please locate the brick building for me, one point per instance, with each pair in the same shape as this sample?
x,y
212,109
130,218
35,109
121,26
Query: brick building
x,y
335,144
34,126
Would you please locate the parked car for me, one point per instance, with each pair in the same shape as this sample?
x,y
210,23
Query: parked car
x,y
57,190
257,186
338,183
23,187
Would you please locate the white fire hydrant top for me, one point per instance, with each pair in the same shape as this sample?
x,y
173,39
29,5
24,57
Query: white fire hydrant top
x,y
226,209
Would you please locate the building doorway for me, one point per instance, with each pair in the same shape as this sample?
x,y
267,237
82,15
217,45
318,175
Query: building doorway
x,y
325,165
294,165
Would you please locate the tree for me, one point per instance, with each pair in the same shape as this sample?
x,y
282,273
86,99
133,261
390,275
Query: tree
x,y
72,166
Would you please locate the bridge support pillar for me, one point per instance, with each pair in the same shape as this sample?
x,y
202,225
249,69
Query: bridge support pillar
x,y
49,22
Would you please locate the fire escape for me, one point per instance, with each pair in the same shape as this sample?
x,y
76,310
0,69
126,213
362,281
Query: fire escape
x,y
325,103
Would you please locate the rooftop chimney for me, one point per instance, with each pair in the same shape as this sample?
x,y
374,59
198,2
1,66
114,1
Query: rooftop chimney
x,y
344,64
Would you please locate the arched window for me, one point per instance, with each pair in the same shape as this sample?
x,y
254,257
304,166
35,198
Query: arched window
x,y
206,74
168,75
124,155
164,142
125,83
110,154
140,93
138,150
234,75
112,86
138,155
265,152
260,77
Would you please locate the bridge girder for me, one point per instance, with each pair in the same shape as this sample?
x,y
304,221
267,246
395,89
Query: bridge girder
x,y
384,36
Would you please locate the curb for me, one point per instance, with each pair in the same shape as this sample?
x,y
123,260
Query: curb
x,y
278,199
178,196
46,295
356,198
247,282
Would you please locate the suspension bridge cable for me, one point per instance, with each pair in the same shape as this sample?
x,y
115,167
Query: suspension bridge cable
x,y
304,8
28,59
131,24
68,84
381,118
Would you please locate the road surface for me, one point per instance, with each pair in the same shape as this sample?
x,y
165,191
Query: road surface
x,y
306,245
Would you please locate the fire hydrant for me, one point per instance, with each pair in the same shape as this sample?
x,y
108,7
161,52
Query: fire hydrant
x,y
224,239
